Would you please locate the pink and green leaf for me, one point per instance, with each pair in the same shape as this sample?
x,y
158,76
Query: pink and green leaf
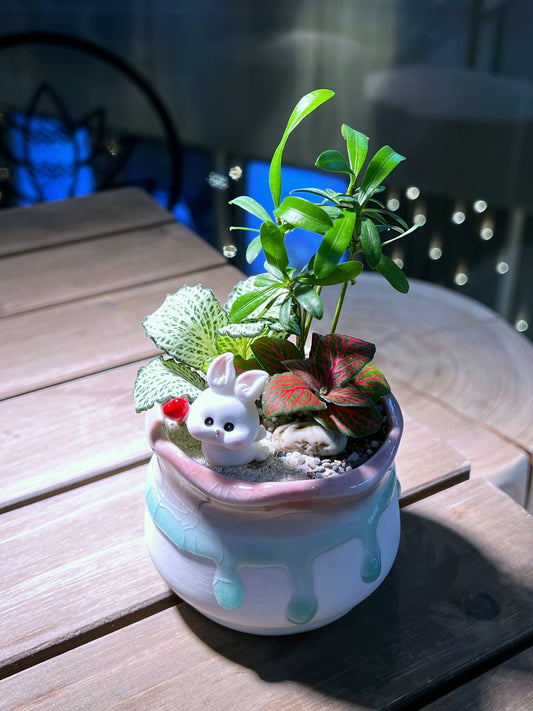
x,y
286,392
350,421
342,357
372,382
310,373
348,396
241,364
271,352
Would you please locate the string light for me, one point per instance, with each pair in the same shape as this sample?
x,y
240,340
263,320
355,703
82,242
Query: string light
x,y
419,217
435,249
235,172
461,275
393,203
458,215
229,250
412,192
397,258
502,267
480,206
487,229
521,325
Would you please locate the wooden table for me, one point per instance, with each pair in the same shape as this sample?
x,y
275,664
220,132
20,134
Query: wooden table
x,y
85,620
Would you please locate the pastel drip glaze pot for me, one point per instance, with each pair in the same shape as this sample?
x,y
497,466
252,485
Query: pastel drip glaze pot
x,y
275,557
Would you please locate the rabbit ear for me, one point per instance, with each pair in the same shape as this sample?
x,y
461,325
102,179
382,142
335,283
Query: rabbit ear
x,y
250,384
221,374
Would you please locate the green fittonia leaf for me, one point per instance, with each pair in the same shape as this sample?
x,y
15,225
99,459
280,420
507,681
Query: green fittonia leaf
x,y
185,325
162,380
237,338
240,330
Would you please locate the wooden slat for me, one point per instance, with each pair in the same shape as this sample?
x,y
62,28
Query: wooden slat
x,y
73,561
46,347
490,455
63,221
508,687
90,427
426,464
106,264
60,436
459,595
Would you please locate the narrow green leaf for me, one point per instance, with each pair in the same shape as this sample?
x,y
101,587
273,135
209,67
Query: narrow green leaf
x,y
334,162
344,272
334,244
285,314
303,108
371,243
273,243
315,191
310,300
262,280
246,304
251,206
357,145
301,213
393,274
253,250
383,163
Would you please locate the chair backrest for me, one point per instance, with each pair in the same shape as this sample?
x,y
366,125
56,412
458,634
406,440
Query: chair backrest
x,y
75,118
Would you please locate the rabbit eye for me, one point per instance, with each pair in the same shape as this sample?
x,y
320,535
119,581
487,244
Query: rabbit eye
x,y
229,426
209,421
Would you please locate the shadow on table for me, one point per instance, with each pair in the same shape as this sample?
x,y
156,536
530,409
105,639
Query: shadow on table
x,y
445,612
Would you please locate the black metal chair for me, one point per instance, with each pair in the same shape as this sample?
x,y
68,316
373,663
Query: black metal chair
x,y
66,127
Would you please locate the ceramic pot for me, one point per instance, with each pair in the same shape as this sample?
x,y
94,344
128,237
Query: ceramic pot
x,y
277,557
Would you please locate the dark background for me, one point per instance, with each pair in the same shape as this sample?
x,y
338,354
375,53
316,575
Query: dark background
x,y
447,83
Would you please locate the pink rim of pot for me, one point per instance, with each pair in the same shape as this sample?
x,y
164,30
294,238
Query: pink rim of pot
x,y
231,491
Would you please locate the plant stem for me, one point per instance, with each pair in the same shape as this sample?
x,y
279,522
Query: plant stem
x,y
338,310
307,324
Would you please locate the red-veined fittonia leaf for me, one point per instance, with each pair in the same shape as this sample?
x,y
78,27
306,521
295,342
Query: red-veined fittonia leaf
x,y
286,392
372,382
351,421
271,352
343,356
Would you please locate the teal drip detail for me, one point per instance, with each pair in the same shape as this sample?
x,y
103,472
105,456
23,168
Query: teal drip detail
x,y
193,533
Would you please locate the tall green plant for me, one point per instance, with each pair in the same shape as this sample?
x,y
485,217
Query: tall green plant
x,y
352,225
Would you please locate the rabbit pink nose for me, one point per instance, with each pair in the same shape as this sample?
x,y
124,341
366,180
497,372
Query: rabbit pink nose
x,y
217,433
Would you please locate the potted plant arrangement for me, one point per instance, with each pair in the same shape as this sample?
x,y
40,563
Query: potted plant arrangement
x,y
272,499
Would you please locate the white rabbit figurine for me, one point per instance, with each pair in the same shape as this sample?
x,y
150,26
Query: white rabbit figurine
x,y
224,416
